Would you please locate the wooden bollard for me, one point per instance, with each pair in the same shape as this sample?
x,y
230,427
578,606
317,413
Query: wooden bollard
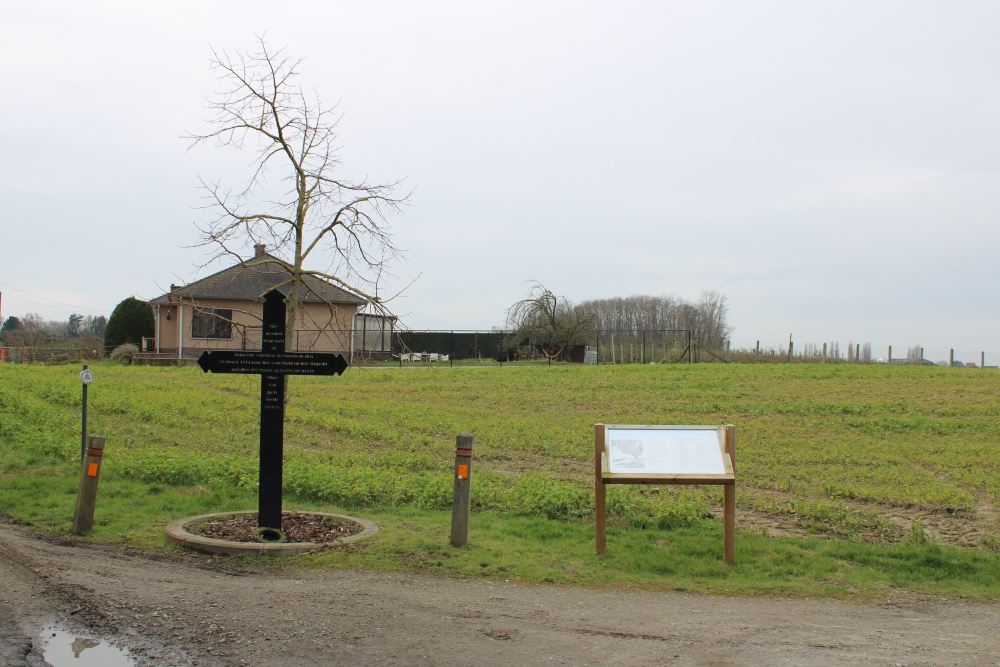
x,y
90,475
463,490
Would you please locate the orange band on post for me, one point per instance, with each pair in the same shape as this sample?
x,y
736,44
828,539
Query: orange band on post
x,y
463,472
92,470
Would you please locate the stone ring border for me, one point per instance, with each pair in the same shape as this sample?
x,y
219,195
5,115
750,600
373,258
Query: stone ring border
x,y
178,534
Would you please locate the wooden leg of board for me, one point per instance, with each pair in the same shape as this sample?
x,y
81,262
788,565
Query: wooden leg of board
x,y
599,519
729,524
729,502
731,444
600,507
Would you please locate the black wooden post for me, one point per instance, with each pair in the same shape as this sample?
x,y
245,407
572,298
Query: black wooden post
x,y
273,364
272,416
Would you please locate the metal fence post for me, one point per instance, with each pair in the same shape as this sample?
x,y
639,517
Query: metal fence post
x,y
83,439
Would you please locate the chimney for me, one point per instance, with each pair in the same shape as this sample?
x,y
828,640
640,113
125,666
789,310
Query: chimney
x,y
173,287
259,250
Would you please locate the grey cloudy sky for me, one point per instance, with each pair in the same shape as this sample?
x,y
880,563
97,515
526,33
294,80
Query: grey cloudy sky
x,y
831,167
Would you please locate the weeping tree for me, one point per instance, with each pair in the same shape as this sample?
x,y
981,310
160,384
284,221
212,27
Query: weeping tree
x,y
295,201
548,323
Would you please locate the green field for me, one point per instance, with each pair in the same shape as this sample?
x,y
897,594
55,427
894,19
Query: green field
x,y
852,480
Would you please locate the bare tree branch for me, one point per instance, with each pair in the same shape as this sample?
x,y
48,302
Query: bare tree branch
x,y
261,108
548,322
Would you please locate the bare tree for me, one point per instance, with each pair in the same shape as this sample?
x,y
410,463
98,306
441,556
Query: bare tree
x,y
549,321
294,202
33,331
707,318
712,327
94,326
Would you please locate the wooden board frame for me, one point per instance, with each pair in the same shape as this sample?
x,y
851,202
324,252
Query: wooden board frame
x,y
603,476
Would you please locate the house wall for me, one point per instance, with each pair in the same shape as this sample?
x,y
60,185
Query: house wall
x,y
319,327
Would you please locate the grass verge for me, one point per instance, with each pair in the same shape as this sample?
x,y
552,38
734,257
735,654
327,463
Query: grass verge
x,y
540,550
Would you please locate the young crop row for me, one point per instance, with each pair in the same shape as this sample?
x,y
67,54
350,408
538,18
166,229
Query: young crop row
x,y
835,443
344,477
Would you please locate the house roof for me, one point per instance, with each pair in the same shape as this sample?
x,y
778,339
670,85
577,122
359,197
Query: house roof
x,y
251,279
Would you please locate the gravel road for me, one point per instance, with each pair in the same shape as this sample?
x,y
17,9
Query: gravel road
x,y
174,609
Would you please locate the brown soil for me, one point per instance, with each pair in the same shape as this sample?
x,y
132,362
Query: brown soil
x,y
181,609
954,527
313,528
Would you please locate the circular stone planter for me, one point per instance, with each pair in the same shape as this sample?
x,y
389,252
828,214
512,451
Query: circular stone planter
x,y
177,533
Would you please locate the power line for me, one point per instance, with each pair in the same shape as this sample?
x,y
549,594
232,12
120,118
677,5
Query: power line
x,y
45,298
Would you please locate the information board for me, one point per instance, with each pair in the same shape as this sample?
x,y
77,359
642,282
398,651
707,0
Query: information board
x,y
666,454
660,451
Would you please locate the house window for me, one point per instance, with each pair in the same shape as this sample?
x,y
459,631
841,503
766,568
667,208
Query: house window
x,y
372,333
212,323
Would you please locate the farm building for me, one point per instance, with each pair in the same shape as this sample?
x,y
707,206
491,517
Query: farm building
x,y
223,312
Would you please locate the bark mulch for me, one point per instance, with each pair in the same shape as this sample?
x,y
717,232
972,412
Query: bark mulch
x,y
298,527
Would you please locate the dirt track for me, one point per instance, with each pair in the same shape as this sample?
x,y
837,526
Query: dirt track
x,y
179,609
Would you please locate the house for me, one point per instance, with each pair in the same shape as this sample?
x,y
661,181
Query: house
x,y
224,310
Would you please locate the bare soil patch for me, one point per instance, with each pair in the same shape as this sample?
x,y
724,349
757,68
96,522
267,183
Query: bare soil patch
x,y
953,527
313,528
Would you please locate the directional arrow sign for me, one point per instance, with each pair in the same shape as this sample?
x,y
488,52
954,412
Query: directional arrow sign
x,y
273,363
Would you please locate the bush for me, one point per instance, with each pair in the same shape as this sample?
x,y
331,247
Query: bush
x,y
124,353
130,322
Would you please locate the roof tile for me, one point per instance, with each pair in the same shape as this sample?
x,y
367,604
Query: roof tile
x,y
251,279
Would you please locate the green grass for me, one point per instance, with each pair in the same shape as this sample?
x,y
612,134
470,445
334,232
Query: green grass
x,y
836,451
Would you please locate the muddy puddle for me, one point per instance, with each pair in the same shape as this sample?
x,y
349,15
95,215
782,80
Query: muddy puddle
x,y
62,648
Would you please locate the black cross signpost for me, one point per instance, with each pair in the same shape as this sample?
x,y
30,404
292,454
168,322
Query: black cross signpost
x,y
273,364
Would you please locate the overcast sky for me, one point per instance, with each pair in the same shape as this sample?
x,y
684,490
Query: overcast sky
x,y
833,168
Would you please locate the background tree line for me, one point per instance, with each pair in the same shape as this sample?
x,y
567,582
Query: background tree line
x,y
705,318
553,325
32,330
